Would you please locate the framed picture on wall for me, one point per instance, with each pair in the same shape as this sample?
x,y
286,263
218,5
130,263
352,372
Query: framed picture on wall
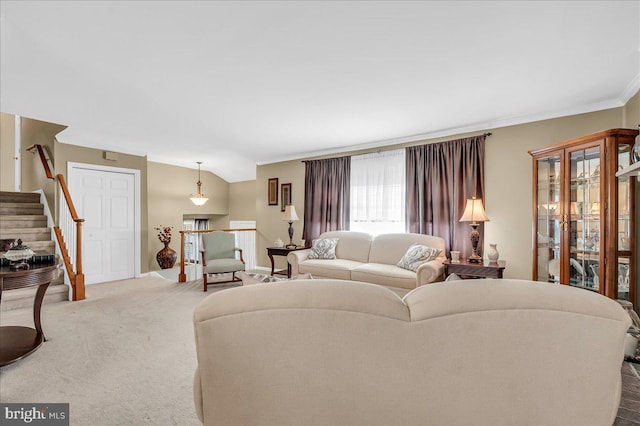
x,y
285,189
273,192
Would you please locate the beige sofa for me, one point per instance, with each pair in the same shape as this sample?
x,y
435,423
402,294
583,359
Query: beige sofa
x,y
361,257
475,352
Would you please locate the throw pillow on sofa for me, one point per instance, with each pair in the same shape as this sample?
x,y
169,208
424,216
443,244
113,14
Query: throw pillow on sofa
x,y
323,248
251,278
416,255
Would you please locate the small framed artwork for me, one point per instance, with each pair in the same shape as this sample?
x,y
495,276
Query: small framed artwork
x,y
273,192
285,189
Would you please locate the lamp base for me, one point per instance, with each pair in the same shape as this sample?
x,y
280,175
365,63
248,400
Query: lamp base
x,y
475,239
474,258
290,235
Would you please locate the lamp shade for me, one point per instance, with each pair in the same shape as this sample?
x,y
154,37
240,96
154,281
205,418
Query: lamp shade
x,y
290,214
199,199
474,211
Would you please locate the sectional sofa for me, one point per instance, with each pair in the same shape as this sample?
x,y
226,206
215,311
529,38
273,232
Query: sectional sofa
x,y
472,352
362,257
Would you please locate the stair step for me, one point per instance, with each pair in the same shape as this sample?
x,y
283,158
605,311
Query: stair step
x,y
24,297
48,246
19,197
22,221
21,208
26,234
21,216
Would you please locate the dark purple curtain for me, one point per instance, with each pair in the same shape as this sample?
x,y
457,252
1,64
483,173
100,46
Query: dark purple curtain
x,y
440,178
326,199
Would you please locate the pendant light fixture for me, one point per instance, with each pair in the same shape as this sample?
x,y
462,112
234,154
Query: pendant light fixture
x,y
199,199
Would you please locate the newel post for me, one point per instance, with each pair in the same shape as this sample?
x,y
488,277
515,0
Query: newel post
x,y
78,288
182,277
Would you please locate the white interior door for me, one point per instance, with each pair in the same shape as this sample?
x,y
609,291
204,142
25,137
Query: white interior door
x,y
105,199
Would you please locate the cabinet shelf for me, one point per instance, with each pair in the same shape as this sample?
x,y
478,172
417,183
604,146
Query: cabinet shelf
x,y
632,170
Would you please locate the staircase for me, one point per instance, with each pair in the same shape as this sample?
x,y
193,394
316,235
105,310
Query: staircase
x,y
22,216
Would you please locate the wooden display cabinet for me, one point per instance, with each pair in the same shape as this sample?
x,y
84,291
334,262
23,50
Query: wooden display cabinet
x,y
583,216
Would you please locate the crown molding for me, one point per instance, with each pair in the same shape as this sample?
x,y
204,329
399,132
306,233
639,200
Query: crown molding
x,y
631,89
474,127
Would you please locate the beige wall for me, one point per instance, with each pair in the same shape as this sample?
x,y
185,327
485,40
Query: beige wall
x,y
7,147
269,218
64,153
242,200
632,121
508,181
32,174
168,200
631,111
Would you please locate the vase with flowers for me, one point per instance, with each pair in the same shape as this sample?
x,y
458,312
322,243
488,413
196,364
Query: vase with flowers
x,y
167,256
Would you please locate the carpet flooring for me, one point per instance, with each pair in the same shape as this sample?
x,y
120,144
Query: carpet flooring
x,y
126,356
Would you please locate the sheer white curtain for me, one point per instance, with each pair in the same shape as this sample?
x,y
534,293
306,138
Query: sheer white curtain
x,y
378,192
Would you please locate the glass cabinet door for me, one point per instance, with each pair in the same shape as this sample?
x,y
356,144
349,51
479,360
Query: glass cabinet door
x,y
625,228
584,219
549,219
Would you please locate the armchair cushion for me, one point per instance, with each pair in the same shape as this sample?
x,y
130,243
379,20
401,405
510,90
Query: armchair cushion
x,y
219,266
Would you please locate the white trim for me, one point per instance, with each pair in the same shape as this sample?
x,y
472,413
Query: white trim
x,y
137,201
630,90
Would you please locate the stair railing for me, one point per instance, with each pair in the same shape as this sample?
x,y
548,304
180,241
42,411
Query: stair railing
x,y
68,217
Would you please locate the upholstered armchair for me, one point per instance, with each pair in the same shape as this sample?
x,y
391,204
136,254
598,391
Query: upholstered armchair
x,y
219,256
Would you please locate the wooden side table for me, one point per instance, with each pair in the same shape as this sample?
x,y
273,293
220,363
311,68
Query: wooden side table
x,y
467,269
17,342
281,251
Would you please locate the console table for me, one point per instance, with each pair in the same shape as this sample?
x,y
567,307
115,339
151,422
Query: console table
x,y
281,251
17,342
484,269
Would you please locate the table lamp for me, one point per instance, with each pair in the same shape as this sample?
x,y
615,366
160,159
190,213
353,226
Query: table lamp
x,y
290,216
474,213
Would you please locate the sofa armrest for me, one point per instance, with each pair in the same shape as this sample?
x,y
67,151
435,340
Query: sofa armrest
x,y
295,257
429,272
197,394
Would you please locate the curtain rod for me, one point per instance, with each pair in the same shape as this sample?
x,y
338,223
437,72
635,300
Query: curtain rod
x,y
381,150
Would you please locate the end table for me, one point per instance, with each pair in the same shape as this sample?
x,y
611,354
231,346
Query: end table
x,y
17,342
281,251
465,269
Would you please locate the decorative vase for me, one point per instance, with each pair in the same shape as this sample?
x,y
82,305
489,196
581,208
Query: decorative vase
x,y
493,254
166,257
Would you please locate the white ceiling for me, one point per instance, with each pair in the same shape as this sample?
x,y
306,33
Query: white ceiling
x,y
235,84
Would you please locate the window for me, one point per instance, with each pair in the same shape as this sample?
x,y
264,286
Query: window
x,y
377,204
